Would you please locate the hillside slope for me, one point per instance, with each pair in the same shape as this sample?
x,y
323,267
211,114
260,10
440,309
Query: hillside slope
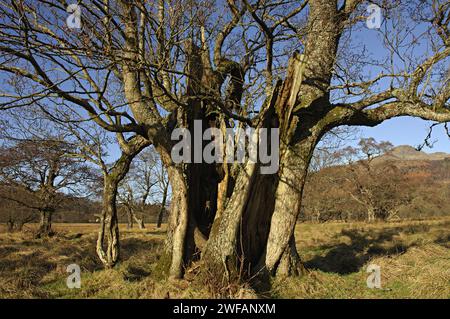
x,y
415,183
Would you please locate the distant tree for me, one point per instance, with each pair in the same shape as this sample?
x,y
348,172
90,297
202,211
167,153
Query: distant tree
x,y
146,183
94,144
41,170
324,198
126,201
14,215
381,188
137,187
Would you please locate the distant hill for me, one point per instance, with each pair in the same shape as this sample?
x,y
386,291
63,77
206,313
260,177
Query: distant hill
x,y
409,153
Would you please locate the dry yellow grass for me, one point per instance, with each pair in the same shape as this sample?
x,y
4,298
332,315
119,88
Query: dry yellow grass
x,y
414,257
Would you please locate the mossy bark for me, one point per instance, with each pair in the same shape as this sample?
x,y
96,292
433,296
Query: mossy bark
x,y
254,218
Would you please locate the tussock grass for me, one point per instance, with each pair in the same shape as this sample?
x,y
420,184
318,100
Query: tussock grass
x,y
414,257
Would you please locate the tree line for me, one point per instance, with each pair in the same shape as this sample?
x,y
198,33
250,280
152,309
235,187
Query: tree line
x,y
43,173
362,183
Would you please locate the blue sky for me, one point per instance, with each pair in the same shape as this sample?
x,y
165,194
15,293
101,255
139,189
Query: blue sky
x,y
409,131
404,130
399,131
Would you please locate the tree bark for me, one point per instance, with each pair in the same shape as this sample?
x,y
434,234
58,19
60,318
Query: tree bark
x,y
254,229
162,210
178,224
292,177
139,222
108,244
108,247
45,224
130,218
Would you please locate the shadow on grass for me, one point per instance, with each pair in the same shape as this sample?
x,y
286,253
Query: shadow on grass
x,y
346,258
135,246
26,268
444,241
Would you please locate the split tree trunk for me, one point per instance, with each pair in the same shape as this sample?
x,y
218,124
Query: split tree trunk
x,y
255,233
252,232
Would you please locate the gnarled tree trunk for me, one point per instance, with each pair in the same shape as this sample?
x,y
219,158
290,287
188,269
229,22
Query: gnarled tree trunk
x,y
253,216
108,236
253,231
108,244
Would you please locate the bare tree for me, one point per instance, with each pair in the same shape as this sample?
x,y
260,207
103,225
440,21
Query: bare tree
x,y
17,215
94,144
382,188
146,183
138,187
40,169
144,68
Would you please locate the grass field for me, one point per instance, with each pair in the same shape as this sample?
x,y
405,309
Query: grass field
x,y
414,257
